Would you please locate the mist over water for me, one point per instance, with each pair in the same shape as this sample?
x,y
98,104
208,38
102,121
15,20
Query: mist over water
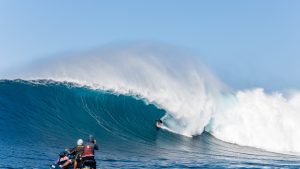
x,y
194,99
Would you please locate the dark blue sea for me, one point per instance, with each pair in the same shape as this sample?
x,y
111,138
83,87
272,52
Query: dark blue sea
x,y
39,119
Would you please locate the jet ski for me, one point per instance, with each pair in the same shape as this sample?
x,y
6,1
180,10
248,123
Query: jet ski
x,y
65,155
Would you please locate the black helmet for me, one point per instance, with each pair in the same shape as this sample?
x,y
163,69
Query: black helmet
x,y
91,138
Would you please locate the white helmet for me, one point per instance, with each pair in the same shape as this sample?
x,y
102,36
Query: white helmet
x,y
79,142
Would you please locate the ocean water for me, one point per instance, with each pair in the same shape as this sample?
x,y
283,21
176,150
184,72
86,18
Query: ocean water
x,y
116,95
41,118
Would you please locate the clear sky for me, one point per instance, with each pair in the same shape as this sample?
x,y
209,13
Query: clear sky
x,y
254,43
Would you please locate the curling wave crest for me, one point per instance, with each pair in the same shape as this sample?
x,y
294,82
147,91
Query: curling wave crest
x,y
194,99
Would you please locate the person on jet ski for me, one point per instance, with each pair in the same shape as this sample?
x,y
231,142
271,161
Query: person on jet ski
x,y
63,161
69,156
76,152
88,152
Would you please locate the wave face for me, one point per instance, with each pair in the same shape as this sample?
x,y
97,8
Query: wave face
x,y
48,109
40,118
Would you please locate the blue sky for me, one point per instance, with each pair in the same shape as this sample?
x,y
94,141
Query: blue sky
x,y
246,43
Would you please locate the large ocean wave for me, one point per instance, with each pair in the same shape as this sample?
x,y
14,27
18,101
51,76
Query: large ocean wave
x,y
183,90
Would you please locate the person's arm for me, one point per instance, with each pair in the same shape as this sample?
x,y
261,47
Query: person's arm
x,y
73,151
96,147
68,162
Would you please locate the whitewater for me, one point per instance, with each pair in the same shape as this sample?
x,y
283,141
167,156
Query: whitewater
x,y
193,101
